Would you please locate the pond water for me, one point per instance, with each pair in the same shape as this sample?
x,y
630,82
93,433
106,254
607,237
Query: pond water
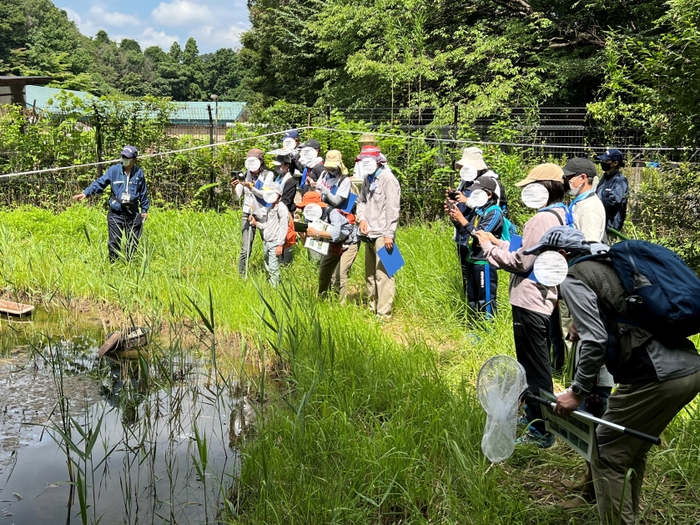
x,y
143,441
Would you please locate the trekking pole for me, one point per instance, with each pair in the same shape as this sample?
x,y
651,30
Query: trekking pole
x,y
529,396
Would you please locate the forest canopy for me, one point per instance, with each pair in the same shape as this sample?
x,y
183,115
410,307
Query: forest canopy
x,y
632,61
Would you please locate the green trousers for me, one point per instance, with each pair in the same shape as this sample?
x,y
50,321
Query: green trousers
x,y
648,408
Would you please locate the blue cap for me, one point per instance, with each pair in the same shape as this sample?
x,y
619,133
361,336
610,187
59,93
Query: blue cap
x,y
611,154
129,152
292,133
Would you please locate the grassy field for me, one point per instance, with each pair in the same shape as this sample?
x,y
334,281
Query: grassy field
x,y
359,422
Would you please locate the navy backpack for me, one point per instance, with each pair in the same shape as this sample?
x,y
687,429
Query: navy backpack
x,y
664,293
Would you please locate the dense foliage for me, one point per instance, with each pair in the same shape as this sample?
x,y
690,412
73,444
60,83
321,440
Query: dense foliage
x,y
399,52
36,38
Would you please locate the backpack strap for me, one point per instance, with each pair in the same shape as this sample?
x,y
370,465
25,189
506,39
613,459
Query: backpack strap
x,y
561,221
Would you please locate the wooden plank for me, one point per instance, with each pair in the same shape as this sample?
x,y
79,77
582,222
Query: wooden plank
x,y
13,308
111,344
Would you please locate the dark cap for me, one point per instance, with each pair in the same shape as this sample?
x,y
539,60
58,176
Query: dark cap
x,y
611,154
129,152
282,159
579,166
560,238
312,143
485,183
292,133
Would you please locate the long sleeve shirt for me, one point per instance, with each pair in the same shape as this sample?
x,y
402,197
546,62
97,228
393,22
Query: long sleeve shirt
x,y
334,190
613,191
120,183
523,291
274,224
289,191
589,217
379,203
252,198
341,228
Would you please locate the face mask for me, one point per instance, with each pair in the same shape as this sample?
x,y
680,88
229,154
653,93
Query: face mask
x,y
334,172
607,166
467,173
369,166
252,164
127,162
281,170
574,190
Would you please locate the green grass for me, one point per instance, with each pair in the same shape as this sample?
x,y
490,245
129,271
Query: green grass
x,y
358,422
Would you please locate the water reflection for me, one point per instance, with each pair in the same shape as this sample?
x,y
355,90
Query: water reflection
x,y
146,441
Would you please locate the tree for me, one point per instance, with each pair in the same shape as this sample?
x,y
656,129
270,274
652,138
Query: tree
x,y
653,82
12,29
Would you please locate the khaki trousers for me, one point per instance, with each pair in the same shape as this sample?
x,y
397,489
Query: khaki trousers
x,y
380,287
648,408
335,271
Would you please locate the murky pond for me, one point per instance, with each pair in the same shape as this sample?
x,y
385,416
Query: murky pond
x,y
84,439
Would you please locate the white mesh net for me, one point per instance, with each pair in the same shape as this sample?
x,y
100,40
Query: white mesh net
x,y
500,383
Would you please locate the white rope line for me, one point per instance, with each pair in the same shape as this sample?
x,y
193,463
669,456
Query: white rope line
x,y
147,156
323,128
487,143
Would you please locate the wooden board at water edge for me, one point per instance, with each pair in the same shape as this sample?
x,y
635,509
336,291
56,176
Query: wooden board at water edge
x,y
16,309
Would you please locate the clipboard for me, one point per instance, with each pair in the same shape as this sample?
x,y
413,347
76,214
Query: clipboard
x,y
300,226
516,242
349,203
392,261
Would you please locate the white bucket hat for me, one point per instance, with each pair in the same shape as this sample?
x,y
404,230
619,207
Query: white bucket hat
x,y
472,156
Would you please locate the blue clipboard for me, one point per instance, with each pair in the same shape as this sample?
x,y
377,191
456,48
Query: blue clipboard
x,y
392,261
516,242
349,203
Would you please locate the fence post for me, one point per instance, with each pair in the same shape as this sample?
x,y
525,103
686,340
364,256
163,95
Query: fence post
x,y
98,140
455,128
211,163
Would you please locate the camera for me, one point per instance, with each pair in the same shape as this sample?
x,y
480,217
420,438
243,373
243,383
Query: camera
x,y
453,195
240,175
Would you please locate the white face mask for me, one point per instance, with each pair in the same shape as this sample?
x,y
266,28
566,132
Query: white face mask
x,y
369,166
574,191
252,163
467,173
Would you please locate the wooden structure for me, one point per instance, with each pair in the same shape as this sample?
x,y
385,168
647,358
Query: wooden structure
x,y
15,309
12,89
127,345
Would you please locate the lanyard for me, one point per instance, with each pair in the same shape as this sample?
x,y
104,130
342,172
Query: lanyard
x,y
373,178
552,206
579,198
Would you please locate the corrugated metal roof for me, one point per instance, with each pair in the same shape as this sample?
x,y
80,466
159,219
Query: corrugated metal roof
x,y
185,112
42,95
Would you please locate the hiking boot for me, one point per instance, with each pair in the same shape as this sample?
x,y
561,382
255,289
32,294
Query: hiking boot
x,y
534,437
580,501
